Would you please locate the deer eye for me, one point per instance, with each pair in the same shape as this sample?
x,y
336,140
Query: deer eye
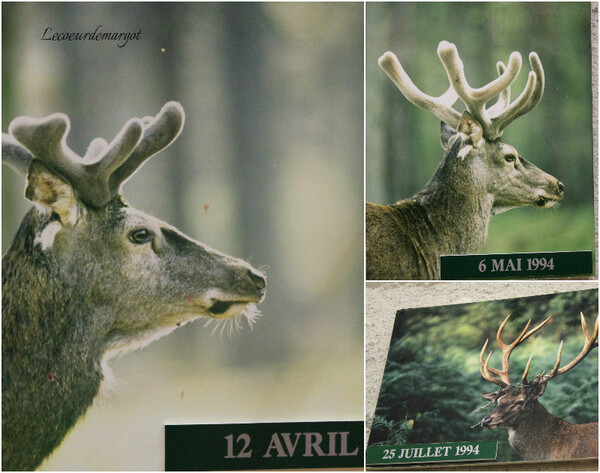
x,y
510,158
140,236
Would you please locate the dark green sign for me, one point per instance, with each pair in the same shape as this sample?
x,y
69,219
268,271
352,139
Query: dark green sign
x,y
429,453
517,265
220,447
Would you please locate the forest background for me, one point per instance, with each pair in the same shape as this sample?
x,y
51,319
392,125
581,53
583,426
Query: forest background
x,y
431,384
269,167
403,143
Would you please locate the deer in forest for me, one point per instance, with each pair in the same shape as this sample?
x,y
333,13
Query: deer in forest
x,y
533,432
479,175
88,277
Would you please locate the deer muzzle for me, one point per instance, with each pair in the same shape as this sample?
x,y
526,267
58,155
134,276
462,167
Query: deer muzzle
x,y
551,194
249,288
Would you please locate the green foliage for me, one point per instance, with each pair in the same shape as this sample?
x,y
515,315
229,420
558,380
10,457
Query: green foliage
x,y
530,229
403,148
416,388
432,382
393,432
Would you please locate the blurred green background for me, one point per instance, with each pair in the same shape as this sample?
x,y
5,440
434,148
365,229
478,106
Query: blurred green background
x,y
403,146
269,167
432,385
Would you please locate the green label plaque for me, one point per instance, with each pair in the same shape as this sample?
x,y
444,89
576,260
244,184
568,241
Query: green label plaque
x,y
220,447
517,265
433,452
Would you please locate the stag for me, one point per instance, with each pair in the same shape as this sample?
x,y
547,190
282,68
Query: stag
x,y
533,432
88,277
479,175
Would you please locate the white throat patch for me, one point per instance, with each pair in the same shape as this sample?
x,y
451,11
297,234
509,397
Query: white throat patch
x,y
45,238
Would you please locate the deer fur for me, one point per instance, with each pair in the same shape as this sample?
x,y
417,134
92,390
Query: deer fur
x,y
82,283
476,179
534,433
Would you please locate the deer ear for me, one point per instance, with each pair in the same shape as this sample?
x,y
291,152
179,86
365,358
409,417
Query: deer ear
x,y
446,134
539,390
490,396
471,127
51,193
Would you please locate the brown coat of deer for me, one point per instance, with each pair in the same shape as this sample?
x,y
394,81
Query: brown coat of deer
x,y
533,432
88,277
479,175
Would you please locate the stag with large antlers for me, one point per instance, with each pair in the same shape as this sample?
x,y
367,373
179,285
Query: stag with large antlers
x,y
533,432
479,175
89,277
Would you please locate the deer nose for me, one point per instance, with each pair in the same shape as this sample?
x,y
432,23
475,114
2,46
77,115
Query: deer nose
x,y
258,280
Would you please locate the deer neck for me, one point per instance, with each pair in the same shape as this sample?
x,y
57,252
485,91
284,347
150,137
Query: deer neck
x,y
458,205
46,375
536,433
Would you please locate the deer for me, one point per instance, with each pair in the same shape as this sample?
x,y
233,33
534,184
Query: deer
x,y
533,432
479,175
88,277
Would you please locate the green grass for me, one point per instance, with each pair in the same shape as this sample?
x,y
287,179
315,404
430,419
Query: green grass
x,y
529,229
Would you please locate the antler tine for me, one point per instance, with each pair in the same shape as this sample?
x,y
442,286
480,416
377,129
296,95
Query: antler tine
x,y
98,176
504,97
487,371
528,99
503,375
590,342
492,120
15,155
456,74
46,140
159,132
532,331
440,106
475,99
526,371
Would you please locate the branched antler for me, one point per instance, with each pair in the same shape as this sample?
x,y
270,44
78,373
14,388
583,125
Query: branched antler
x,y
494,119
589,342
502,377
98,176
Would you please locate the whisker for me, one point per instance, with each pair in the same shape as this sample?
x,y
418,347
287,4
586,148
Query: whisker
x,y
234,325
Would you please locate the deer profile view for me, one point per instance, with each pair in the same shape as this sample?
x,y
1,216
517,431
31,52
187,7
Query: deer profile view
x,y
479,175
88,277
533,432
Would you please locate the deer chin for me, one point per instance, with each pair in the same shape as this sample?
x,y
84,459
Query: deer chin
x,y
542,201
219,305
503,208
227,309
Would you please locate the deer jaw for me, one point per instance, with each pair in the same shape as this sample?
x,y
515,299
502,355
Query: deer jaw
x,y
476,179
510,180
513,405
533,432
515,182
183,278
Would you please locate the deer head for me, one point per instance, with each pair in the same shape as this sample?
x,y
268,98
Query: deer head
x,y
514,402
79,204
88,277
504,174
